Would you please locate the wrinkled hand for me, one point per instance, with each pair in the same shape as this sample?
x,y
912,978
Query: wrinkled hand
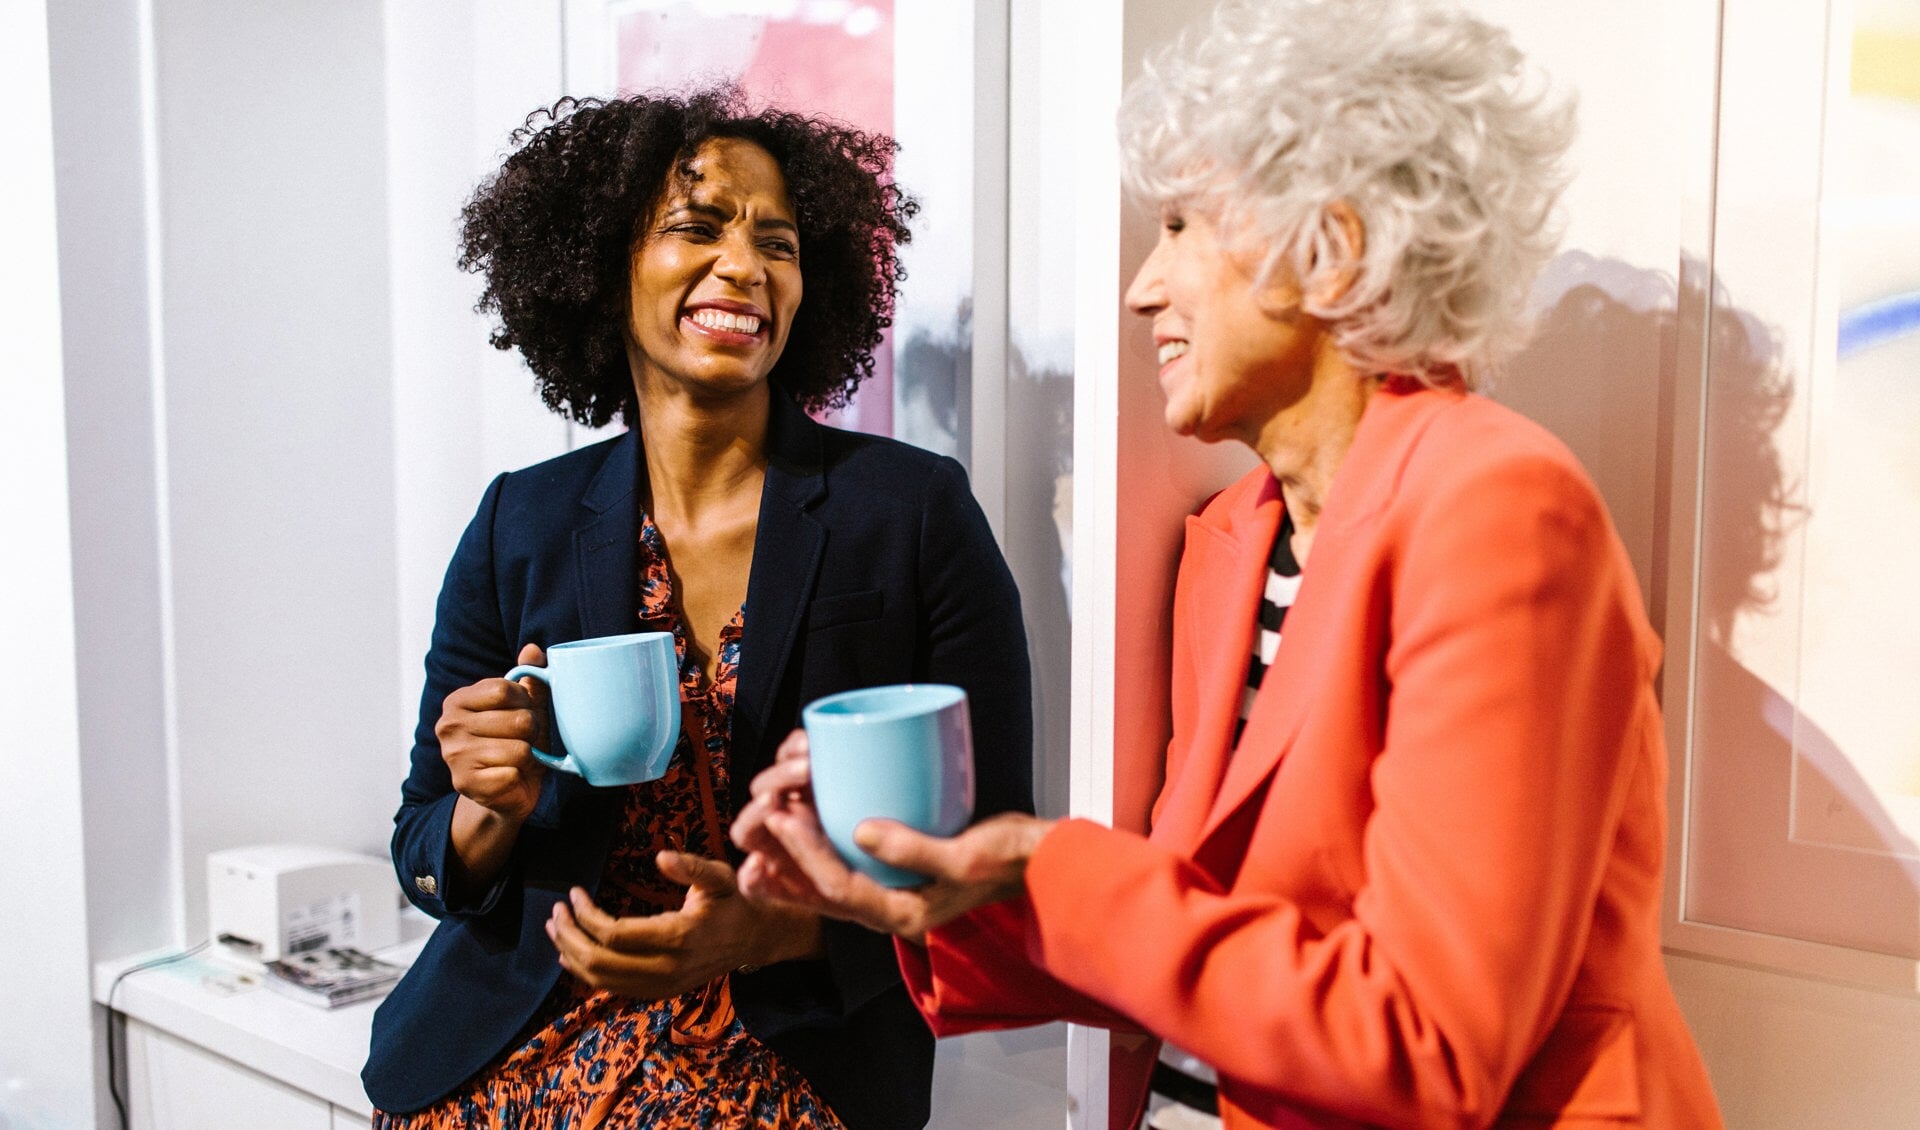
x,y
715,932
791,861
487,732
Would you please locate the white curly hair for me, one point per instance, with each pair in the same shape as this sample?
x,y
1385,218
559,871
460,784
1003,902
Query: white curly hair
x,y
1422,117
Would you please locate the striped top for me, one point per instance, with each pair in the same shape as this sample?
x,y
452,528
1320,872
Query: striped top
x,y
1283,582
1183,1088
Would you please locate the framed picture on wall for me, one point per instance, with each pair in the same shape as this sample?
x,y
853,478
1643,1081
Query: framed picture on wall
x,y
1795,708
906,70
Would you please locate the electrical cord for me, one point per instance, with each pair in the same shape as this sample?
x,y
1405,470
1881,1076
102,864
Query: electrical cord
x,y
113,1070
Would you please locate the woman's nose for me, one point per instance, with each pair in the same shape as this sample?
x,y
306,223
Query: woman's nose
x,y
740,262
1147,294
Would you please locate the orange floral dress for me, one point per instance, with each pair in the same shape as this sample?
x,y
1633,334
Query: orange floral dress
x,y
599,1059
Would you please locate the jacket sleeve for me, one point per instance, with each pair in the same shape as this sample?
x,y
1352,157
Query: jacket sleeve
x,y
469,644
975,974
1516,676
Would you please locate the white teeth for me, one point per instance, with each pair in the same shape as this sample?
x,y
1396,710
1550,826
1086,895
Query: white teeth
x,y
1172,349
721,320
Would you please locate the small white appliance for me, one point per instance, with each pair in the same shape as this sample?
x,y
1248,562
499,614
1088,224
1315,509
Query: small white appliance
x,y
271,901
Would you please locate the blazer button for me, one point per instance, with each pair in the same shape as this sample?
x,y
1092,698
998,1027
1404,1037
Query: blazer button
x,y
426,884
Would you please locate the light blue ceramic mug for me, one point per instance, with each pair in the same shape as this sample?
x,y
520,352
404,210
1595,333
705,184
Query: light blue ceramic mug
x,y
901,752
616,706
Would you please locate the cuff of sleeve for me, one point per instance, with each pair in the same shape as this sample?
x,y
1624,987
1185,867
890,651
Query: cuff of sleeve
x,y
981,971
460,904
425,875
420,853
968,976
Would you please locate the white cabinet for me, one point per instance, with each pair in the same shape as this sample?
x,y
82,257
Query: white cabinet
x,y
175,1085
206,1051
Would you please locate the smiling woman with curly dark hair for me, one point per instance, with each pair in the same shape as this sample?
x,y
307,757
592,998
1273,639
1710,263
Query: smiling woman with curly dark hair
x,y
553,229
707,273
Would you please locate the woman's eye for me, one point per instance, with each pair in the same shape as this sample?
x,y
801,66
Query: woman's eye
x,y
782,247
702,231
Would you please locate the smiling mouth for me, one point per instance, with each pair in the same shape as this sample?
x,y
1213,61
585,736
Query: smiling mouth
x,y
708,318
1171,351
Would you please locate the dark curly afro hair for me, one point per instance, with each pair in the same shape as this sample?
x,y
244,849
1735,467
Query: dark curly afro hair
x,y
553,233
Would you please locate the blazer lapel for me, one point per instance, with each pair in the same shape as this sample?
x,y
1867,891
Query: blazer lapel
x,y
1286,691
605,544
1395,417
1226,567
786,562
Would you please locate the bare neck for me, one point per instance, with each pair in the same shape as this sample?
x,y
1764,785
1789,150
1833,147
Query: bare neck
x,y
1305,444
704,458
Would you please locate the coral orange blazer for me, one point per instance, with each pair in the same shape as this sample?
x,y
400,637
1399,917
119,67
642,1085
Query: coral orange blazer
x,y
1425,890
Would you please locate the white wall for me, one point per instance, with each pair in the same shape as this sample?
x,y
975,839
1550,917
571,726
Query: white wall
x,y
1789,1053
518,65
272,476
278,438
46,1043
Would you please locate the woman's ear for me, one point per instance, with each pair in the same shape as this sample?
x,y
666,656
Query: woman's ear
x,y
1339,245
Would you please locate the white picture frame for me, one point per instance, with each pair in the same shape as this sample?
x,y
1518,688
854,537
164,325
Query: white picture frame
x,y
1789,849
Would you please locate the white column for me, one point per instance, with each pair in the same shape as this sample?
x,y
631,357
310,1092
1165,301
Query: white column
x,y
106,182
46,1043
1134,482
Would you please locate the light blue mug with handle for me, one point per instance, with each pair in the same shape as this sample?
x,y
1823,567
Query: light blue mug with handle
x,y
615,706
900,752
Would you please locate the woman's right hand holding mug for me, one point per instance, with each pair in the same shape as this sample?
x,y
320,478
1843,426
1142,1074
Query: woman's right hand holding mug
x,y
487,732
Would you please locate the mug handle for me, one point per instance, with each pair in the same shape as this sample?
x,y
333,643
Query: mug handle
x,y
528,671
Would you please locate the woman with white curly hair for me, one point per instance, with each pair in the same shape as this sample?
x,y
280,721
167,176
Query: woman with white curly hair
x,y
1405,869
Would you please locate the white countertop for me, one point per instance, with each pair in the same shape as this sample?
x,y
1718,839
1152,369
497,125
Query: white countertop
x,y
317,1050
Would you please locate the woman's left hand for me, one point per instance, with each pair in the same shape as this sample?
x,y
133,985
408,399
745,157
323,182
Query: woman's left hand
x,y
715,932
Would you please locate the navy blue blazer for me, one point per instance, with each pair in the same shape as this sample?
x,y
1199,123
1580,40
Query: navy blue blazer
x,y
872,565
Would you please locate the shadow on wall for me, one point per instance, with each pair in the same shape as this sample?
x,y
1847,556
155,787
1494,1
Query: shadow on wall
x,y
1596,375
933,380
1039,454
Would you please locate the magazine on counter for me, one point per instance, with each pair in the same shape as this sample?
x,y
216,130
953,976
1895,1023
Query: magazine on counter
x,y
332,977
